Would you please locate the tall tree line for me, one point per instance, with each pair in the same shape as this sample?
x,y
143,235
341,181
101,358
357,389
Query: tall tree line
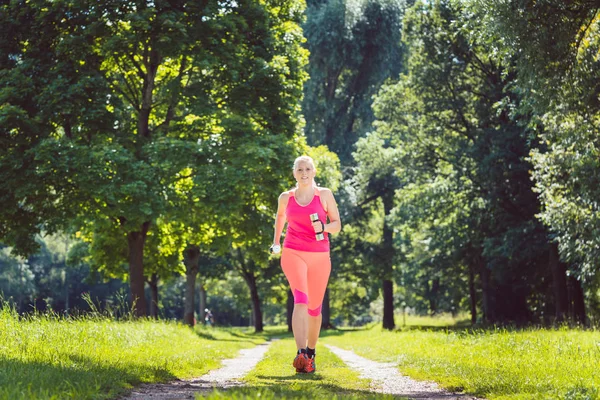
x,y
465,131
130,121
472,179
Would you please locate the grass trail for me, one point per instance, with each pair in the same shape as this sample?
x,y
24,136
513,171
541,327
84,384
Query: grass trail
x,y
274,378
45,357
497,364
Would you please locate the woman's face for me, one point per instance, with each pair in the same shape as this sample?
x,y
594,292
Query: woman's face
x,y
304,172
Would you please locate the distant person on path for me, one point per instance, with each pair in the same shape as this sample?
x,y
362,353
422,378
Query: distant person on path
x,y
208,317
305,257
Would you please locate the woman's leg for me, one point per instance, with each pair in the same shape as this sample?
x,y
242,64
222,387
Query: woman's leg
x,y
314,329
295,270
300,325
319,269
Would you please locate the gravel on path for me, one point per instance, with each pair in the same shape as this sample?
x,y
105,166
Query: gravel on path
x,y
225,377
387,379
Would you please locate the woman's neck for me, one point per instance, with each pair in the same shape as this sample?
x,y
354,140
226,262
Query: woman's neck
x,y
304,188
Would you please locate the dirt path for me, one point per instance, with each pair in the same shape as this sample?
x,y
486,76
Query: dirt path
x,y
222,378
386,379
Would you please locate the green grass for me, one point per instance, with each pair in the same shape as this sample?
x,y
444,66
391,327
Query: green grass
x,y
437,321
497,364
274,378
43,357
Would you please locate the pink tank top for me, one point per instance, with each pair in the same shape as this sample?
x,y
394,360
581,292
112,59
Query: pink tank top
x,y
300,234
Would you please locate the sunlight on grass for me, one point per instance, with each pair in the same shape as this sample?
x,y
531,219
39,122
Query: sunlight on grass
x,y
52,357
441,320
497,364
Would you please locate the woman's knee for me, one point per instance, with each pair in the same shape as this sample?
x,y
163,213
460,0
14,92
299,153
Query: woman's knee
x,y
300,297
316,311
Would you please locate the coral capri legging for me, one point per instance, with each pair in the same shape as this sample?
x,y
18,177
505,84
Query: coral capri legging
x,y
308,273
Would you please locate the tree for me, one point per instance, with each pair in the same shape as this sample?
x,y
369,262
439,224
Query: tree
x,y
37,78
152,90
452,119
376,183
554,45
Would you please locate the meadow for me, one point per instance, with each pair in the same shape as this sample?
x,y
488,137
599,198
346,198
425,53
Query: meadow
x,y
46,356
495,363
96,357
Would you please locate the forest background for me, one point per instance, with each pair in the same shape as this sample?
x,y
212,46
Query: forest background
x,y
144,144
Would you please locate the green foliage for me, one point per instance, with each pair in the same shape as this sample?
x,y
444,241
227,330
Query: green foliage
x,y
228,300
349,301
460,148
16,280
354,47
177,123
374,183
45,84
557,61
327,163
165,116
567,180
56,278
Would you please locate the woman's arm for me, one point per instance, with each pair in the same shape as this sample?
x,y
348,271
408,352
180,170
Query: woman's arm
x,y
335,224
280,216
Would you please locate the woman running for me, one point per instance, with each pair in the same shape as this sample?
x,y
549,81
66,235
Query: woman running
x,y
305,258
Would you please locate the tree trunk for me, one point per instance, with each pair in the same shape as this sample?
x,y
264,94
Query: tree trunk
x,y
191,259
153,283
66,283
245,270
202,295
387,260
486,294
136,241
559,283
290,309
326,312
577,301
20,290
388,305
256,311
472,296
433,294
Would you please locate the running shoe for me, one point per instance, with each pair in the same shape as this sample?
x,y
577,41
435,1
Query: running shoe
x,y
311,365
300,362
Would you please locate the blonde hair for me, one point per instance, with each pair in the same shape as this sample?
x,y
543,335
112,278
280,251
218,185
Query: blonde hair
x,y
306,159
